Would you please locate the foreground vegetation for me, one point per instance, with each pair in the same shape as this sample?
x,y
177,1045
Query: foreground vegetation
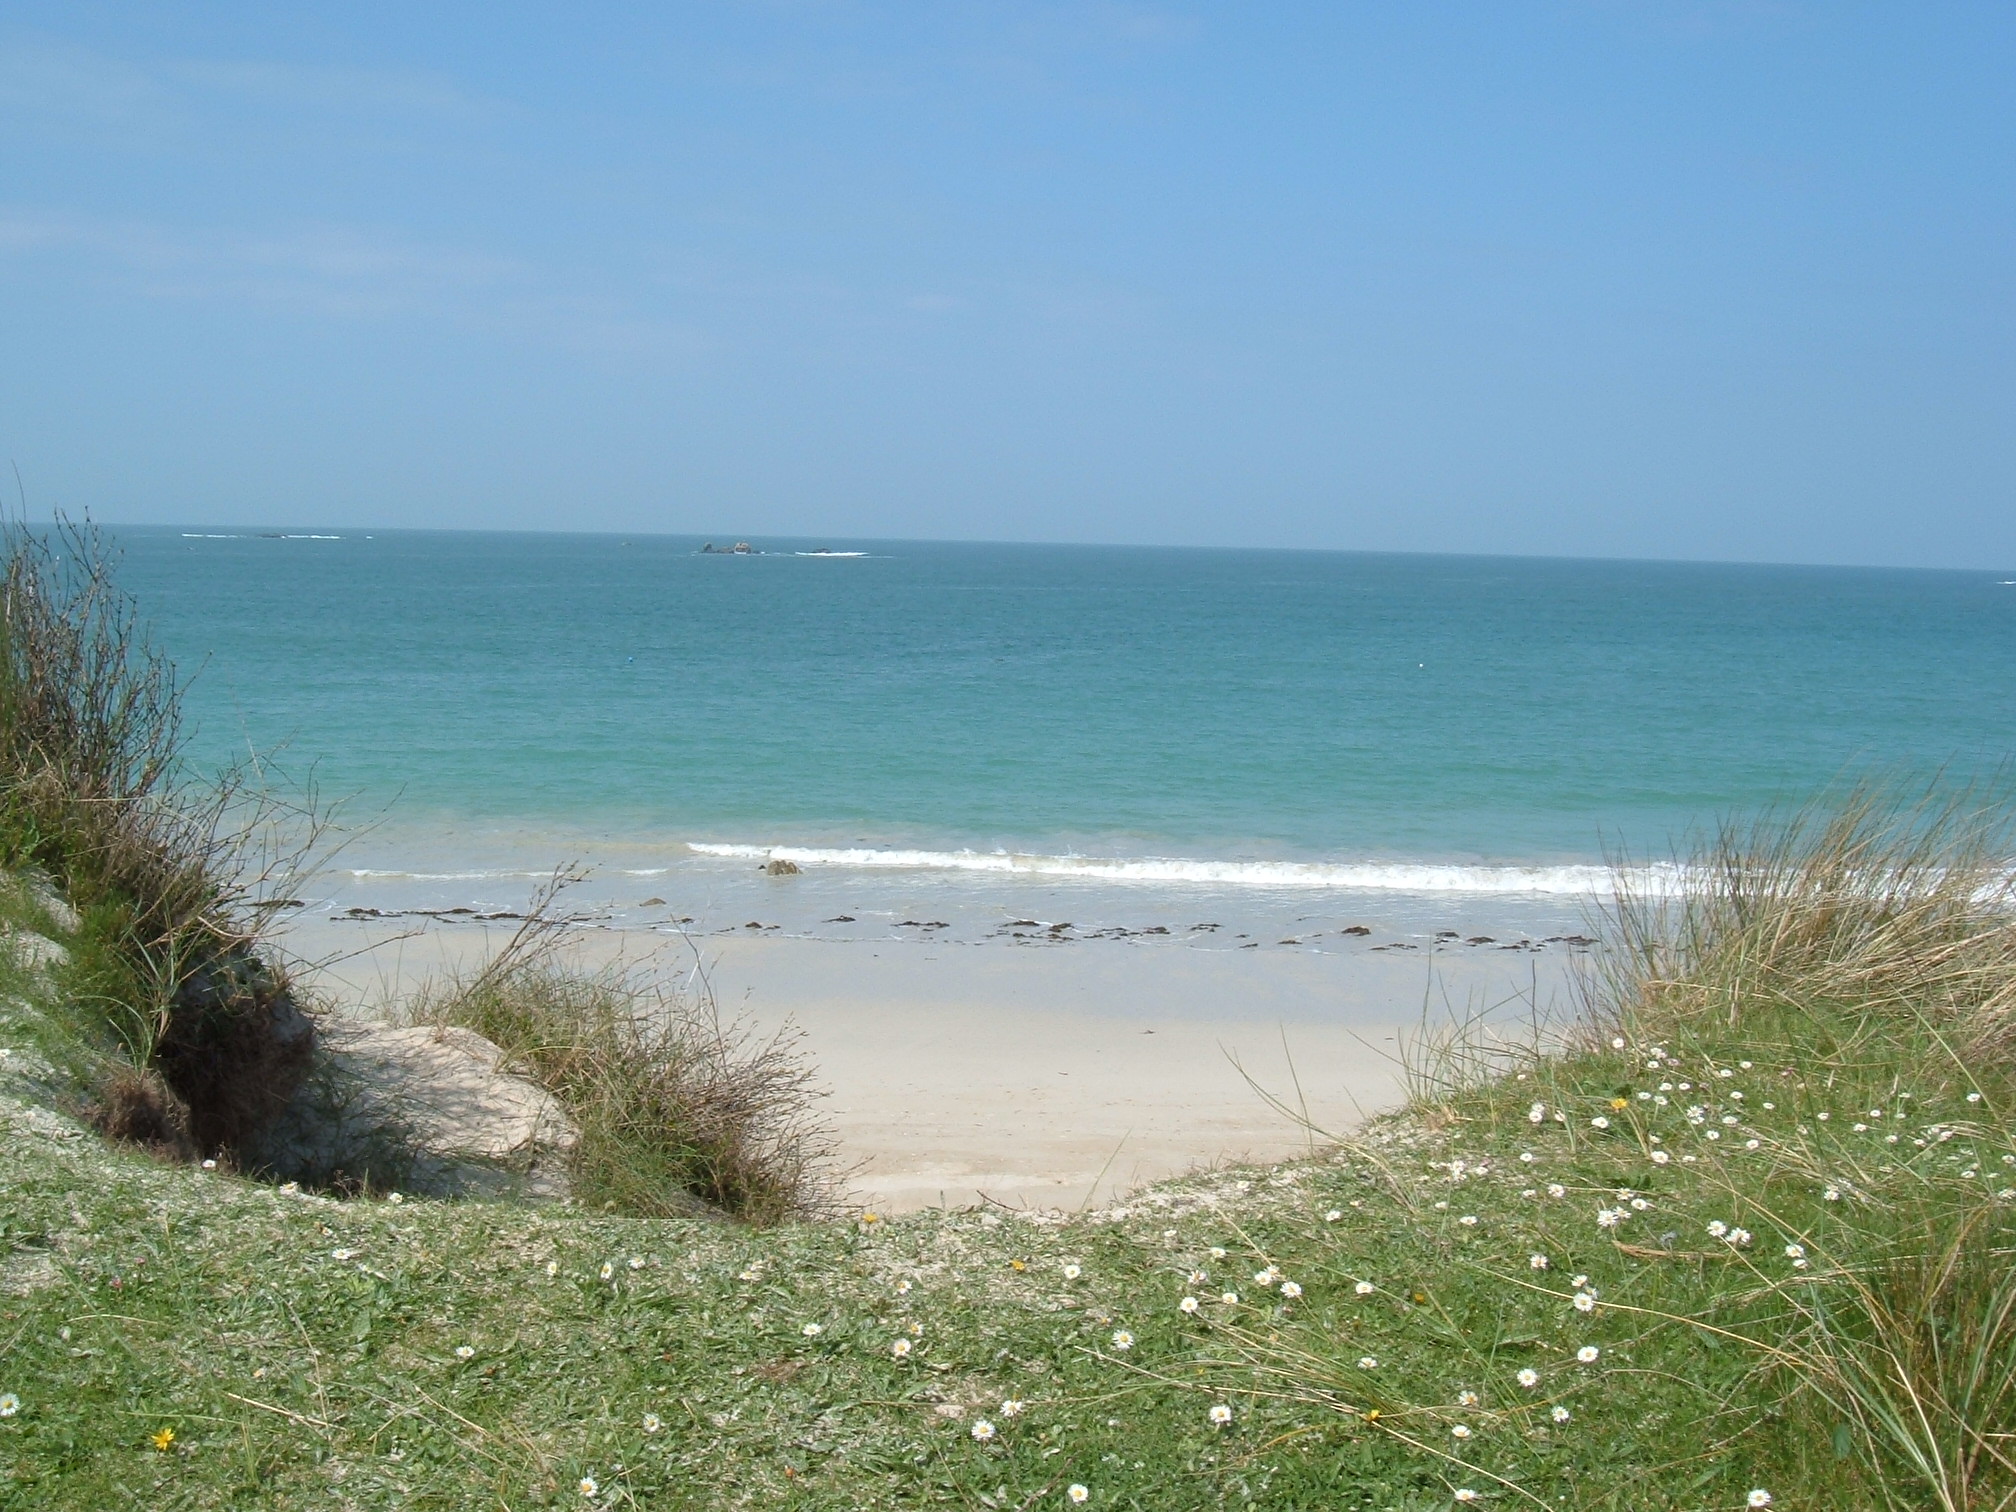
x,y
1748,1234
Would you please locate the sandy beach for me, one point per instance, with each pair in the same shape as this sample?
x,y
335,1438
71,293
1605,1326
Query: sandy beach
x,y
1038,1077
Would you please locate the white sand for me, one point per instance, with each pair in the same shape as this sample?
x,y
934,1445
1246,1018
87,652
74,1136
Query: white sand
x,y
1045,1076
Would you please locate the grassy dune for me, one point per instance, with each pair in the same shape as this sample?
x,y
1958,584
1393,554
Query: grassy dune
x,y
1748,1233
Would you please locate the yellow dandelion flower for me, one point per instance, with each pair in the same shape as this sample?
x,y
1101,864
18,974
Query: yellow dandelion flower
x,y
163,1439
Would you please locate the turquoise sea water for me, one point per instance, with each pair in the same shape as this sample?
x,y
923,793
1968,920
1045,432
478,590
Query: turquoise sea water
x,y
1220,718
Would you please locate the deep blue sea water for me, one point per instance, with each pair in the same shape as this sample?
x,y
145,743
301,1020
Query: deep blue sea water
x,y
1233,718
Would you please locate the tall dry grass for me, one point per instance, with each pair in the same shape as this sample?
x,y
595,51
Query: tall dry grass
x,y
1892,904
674,1106
1879,931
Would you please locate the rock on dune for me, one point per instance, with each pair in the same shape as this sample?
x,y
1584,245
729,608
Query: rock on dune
x,y
437,1100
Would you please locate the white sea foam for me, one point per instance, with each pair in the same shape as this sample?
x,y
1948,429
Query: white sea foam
x,y
1362,876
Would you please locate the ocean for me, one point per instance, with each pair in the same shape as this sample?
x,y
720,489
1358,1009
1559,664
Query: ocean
x,y
992,733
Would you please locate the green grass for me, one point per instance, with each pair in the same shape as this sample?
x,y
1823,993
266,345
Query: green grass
x,y
304,1352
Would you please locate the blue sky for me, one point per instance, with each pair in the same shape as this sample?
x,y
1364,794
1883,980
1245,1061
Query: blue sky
x,y
1621,277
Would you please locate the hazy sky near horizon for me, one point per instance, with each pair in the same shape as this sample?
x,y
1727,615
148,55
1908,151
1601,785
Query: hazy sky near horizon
x,y
1728,279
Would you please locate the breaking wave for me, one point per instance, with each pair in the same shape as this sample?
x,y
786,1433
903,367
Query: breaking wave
x,y
1361,876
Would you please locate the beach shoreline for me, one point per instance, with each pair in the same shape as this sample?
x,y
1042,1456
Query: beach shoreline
x,y
960,1072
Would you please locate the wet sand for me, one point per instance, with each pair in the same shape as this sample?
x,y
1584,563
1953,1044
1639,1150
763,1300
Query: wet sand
x,y
1052,1078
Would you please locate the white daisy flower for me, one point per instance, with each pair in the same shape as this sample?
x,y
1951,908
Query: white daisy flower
x,y
1072,1273
900,1349
1076,1493
586,1485
1537,1262
1585,1302
636,1262
1559,1414
1013,1407
1228,1298
1368,1362
1460,1431
1122,1339
1758,1498
1587,1354
1529,1378
608,1269
1466,1399
1599,1122
813,1330
1364,1288
982,1430
9,1404
651,1423
1220,1415
1188,1305
1465,1494
1555,1189
464,1352
1291,1290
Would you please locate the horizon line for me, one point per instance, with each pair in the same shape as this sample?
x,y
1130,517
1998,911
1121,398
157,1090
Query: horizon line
x,y
254,531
